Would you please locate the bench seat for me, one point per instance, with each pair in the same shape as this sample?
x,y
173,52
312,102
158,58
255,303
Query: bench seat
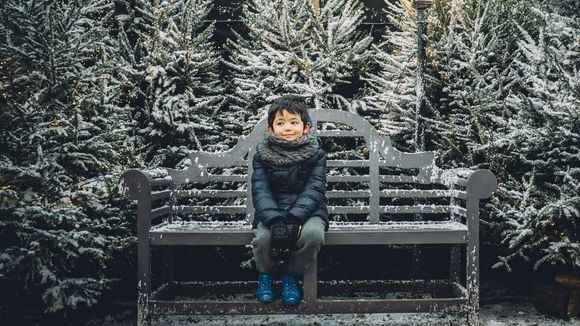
x,y
339,233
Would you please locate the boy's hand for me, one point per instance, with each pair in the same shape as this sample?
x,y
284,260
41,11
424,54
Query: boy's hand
x,y
280,236
285,234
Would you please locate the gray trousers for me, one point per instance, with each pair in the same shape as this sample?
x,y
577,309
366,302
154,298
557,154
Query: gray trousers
x,y
298,261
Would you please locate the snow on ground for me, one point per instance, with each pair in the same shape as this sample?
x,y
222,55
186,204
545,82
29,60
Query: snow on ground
x,y
501,314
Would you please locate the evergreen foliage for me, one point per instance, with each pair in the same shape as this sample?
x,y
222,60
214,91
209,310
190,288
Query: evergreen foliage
x,y
89,89
63,138
292,49
515,112
541,211
390,98
183,95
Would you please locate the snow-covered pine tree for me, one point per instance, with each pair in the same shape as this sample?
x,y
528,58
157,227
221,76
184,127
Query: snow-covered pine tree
x,y
183,92
291,48
470,83
390,94
62,136
541,215
506,79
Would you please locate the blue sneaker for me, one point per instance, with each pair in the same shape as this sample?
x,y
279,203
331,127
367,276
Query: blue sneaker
x,y
265,291
291,294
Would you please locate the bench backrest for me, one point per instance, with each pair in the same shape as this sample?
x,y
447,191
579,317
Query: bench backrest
x,y
376,183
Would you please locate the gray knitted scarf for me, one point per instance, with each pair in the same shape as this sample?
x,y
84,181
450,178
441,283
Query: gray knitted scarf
x,y
281,152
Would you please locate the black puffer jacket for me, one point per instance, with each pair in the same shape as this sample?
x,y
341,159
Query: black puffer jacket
x,y
297,190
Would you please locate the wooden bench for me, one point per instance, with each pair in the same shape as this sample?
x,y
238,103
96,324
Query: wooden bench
x,y
380,196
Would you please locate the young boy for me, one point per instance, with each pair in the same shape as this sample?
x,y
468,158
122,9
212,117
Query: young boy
x,y
288,192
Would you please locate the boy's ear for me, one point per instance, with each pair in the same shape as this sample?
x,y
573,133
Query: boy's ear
x,y
307,127
269,129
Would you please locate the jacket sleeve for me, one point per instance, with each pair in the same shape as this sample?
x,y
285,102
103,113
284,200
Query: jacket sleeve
x,y
313,194
265,204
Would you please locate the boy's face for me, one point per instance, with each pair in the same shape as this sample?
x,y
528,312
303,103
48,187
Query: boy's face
x,y
288,125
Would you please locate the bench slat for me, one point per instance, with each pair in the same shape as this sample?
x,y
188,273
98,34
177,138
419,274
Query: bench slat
x,y
254,307
228,178
210,193
339,133
347,163
348,178
160,211
425,209
161,182
348,194
158,195
365,209
211,209
404,193
398,179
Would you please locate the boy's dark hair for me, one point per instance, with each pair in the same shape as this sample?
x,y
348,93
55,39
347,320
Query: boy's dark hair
x,y
291,104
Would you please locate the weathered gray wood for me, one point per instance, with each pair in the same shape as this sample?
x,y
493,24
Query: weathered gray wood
x,y
160,212
348,194
465,189
347,234
310,282
210,193
160,182
347,163
472,261
211,209
158,195
423,209
346,306
331,289
348,178
374,185
399,179
340,133
228,178
139,188
404,193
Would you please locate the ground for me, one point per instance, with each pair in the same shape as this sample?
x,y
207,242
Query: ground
x,y
497,314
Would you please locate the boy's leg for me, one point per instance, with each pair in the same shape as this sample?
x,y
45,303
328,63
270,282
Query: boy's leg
x,y
310,240
265,262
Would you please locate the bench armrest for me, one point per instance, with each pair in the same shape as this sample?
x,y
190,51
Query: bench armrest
x,y
479,184
137,185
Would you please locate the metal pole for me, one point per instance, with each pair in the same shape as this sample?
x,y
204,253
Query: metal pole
x,y
422,7
420,112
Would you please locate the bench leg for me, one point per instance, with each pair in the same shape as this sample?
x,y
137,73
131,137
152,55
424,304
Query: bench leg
x,y
472,280
143,317
310,282
144,282
472,259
